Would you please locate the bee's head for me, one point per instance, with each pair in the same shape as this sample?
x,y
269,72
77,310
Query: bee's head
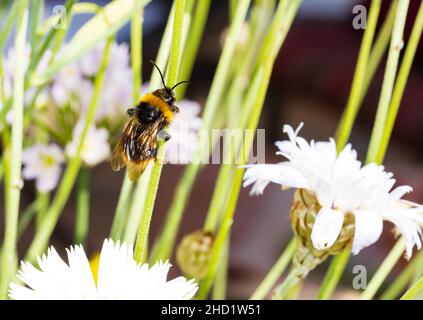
x,y
166,93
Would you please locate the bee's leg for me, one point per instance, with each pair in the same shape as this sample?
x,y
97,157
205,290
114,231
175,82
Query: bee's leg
x,y
175,109
163,135
131,112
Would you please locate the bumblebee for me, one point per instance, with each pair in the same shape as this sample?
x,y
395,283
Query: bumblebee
x,y
138,144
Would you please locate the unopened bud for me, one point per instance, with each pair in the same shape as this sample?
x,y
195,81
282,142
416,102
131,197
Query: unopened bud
x,y
193,254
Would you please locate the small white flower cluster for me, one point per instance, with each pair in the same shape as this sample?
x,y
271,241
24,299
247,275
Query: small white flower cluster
x,y
341,185
118,277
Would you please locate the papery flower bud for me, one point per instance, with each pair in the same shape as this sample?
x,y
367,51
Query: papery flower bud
x,y
193,254
304,210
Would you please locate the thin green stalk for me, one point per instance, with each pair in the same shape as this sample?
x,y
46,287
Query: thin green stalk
x,y
379,48
37,12
384,269
166,242
172,78
274,39
136,63
43,199
380,45
333,275
414,291
8,23
8,258
352,107
122,209
234,101
388,82
291,281
26,217
42,237
134,217
39,51
136,51
221,282
275,273
193,43
400,83
82,218
401,282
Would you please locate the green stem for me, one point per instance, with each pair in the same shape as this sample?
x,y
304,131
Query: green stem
x,y
379,48
136,63
172,78
414,291
384,269
43,199
234,100
353,105
401,282
82,206
8,23
274,39
136,51
333,275
220,284
8,258
166,242
400,83
275,273
193,43
291,281
135,212
122,209
388,82
42,237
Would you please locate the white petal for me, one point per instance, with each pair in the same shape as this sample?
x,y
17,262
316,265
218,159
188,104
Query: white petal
x,y
326,228
262,174
368,228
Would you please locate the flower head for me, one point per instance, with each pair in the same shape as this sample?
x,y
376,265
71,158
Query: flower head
x,y
43,163
96,147
341,186
119,277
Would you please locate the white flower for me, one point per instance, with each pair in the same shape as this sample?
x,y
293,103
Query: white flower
x,y
340,185
118,277
183,131
96,147
43,163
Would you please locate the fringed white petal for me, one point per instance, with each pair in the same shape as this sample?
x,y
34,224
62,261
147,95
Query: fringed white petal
x,y
326,228
368,228
262,174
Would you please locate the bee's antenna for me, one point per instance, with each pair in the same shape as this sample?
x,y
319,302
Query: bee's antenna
x,y
161,75
179,84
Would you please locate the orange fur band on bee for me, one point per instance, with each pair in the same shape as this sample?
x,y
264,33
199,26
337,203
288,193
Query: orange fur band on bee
x,y
155,101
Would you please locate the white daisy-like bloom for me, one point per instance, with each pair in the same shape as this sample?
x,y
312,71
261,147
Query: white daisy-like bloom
x,y
183,130
43,163
341,185
96,147
118,277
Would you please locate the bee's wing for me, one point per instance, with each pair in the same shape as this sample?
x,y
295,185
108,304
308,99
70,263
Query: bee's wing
x,y
137,147
119,155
